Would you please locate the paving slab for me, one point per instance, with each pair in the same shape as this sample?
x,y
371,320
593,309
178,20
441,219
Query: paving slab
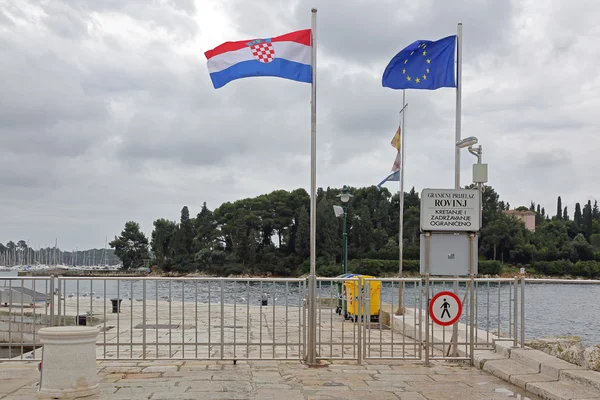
x,y
282,380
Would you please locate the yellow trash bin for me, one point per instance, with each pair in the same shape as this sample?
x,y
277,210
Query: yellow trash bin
x,y
352,288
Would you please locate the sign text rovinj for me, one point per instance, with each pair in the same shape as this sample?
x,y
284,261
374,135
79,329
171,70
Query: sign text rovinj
x,y
450,210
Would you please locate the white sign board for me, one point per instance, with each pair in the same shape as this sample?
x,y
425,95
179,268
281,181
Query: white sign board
x,y
450,210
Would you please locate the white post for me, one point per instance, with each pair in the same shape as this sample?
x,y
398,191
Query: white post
x,y
457,149
458,105
311,355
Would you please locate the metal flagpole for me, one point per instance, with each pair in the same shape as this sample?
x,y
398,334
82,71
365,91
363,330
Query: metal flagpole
x,y
400,310
311,353
458,105
457,150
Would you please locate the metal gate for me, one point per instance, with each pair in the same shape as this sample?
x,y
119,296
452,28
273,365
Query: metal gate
x,y
377,326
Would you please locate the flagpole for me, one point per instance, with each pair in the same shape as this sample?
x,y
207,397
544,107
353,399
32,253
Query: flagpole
x,y
458,105
311,353
457,152
400,310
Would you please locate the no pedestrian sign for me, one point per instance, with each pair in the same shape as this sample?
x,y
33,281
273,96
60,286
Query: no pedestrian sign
x,y
450,210
445,308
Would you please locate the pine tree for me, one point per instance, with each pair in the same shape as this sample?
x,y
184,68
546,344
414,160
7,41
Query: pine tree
x,y
131,246
532,206
577,217
587,219
596,211
303,234
565,214
559,208
187,229
543,212
538,209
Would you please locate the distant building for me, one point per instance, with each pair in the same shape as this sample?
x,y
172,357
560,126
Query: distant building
x,y
528,218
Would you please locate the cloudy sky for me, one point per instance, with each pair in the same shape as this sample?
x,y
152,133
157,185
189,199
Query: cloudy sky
x,y
107,112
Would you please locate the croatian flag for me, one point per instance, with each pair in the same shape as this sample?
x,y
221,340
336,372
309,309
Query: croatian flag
x,y
287,56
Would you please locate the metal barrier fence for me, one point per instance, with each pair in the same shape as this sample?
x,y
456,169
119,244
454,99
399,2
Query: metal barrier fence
x,y
26,306
182,318
252,319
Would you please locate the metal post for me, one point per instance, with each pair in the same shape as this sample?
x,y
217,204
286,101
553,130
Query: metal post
x,y
516,312
480,188
522,311
472,332
458,104
400,310
52,300
311,354
457,150
427,262
359,309
143,318
345,236
59,302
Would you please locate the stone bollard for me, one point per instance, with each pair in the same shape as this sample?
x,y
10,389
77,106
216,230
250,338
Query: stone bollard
x,y
68,367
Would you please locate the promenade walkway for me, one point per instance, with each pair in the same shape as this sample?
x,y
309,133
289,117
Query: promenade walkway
x,y
275,380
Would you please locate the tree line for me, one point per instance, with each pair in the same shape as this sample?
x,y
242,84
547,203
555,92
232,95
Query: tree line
x,y
270,235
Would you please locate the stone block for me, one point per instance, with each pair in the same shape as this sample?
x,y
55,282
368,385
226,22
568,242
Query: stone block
x,y
532,358
504,347
523,380
553,368
591,358
556,390
567,348
584,378
482,356
503,369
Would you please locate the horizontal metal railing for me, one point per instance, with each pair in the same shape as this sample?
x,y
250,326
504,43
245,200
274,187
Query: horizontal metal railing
x,y
224,318
182,318
26,306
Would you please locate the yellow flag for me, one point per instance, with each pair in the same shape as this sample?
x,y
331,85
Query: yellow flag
x,y
396,140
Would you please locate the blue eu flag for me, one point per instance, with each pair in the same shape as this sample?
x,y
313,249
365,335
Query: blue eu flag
x,y
422,65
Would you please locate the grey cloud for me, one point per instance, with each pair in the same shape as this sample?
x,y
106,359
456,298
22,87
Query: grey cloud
x,y
65,21
556,158
363,33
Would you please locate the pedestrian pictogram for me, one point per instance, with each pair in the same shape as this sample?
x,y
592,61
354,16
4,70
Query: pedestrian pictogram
x,y
445,308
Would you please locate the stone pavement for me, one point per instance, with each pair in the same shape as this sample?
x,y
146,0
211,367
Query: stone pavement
x,y
275,380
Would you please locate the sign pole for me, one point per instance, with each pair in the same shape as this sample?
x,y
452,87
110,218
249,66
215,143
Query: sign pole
x,y
427,244
472,300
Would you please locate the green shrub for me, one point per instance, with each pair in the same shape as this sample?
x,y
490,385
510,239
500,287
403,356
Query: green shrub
x,y
233,269
587,269
490,267
376,267
556,268
329,270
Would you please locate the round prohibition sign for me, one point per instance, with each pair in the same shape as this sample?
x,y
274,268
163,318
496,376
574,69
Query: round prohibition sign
x,y
445,308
